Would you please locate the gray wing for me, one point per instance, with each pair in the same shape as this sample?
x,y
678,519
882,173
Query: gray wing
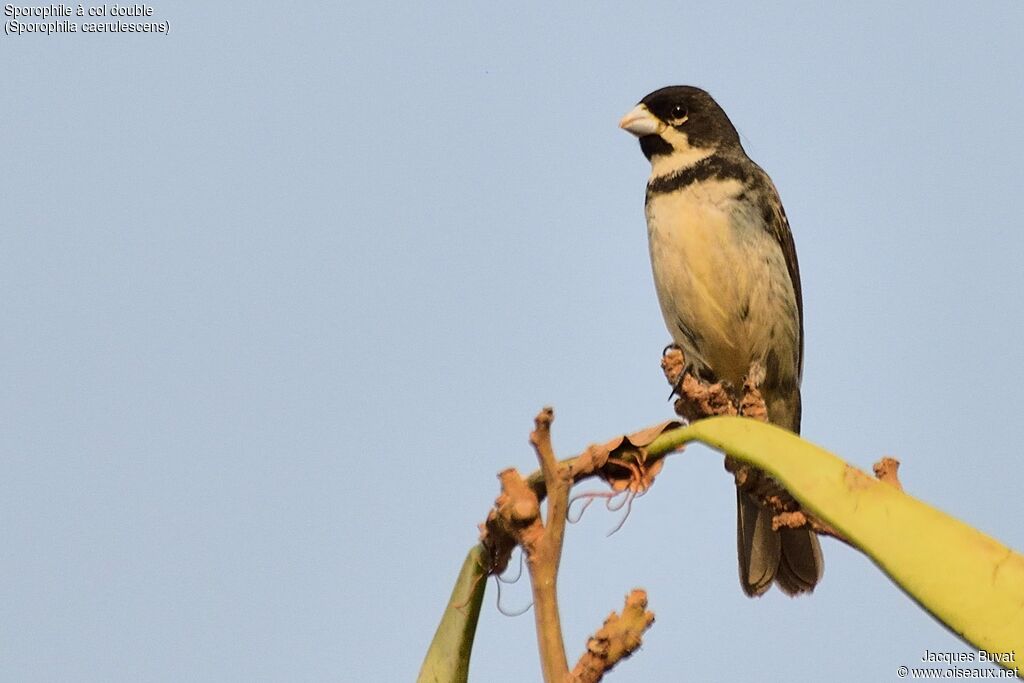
x,y
778,225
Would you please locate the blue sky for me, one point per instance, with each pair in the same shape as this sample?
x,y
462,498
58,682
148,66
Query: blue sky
x,y
285,289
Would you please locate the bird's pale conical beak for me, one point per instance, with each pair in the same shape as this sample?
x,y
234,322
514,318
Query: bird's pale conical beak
x,y
640,122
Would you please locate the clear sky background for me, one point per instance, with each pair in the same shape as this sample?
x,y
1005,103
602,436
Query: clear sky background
x,y
283,290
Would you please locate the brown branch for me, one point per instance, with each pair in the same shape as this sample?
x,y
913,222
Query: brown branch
x,y
515,520
624,462
618,461
698,399
558,496
887,470
617,639
544,557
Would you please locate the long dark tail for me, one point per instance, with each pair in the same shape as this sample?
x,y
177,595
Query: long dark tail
x,y
790,557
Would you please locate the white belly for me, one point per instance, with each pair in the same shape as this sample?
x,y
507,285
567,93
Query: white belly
x,y
722,280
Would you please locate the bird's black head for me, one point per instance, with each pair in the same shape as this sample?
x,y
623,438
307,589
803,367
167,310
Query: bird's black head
x,y
680,119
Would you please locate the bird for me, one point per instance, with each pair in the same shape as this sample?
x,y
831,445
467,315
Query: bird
x,y
726,275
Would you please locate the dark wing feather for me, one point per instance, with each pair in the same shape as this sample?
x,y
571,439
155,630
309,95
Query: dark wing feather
x,y
777,223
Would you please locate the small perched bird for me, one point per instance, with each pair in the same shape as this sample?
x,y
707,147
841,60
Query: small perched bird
x,y
726,274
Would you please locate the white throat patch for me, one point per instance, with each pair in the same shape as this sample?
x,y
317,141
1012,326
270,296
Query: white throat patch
x,y
682,156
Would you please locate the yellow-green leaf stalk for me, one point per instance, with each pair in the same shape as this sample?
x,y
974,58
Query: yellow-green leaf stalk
x,y
966,579
447,660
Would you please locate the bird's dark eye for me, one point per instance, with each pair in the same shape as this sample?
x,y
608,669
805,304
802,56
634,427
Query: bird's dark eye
x,y
678,112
